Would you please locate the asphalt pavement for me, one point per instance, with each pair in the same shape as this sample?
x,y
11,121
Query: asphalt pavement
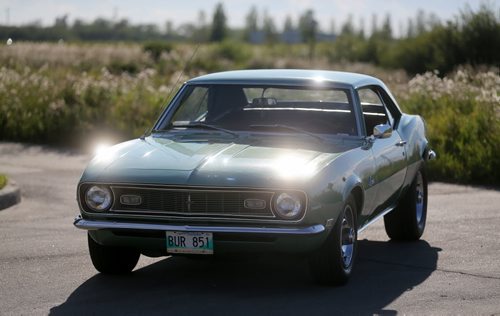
x,y
45,267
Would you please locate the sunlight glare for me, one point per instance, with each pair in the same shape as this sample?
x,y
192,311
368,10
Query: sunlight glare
x,y
292,167
101,148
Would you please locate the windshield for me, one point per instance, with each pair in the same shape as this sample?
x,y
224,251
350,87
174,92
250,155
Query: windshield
x,y
245,108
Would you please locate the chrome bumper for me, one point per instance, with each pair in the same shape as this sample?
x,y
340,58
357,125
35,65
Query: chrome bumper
x,y
97,225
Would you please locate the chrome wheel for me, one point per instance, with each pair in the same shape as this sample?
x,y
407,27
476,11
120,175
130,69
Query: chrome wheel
x,y
407,220
420,196
333,262
347,237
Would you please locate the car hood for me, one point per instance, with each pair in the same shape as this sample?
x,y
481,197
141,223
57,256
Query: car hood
x,y
201,163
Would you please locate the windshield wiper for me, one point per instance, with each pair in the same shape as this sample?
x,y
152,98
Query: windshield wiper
x,y
291,128
205,126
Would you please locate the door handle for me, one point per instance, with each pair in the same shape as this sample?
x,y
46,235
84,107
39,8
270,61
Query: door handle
x,y
401,143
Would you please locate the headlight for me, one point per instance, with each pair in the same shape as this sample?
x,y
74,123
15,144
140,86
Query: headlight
x,y
288,205
98,198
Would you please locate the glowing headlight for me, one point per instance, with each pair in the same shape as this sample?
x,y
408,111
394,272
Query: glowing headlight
x,y
288,205
98,198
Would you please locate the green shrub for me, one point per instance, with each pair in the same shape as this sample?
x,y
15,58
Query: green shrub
x,y
57,107
156,48
3,181
236,52
462,113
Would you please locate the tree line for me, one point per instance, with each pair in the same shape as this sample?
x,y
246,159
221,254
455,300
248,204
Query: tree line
x,y
472,37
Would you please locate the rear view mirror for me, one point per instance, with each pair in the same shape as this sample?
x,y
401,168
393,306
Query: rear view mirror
x,y
382,131
259,102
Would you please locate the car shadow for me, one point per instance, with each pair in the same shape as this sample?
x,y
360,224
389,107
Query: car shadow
x,y
257,286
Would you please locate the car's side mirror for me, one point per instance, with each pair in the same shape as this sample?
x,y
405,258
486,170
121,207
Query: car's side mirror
x,y
382,131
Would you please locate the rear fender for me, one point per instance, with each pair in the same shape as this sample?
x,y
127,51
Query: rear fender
x,y
412,130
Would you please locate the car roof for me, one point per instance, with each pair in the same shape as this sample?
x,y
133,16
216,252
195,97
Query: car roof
x,y
288,77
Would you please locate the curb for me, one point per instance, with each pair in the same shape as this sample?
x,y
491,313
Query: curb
x,y
9,195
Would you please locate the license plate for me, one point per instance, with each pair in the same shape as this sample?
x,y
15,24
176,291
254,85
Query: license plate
x,y
190,242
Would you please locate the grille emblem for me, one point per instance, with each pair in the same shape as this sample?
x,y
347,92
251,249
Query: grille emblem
x,y
130,199
188,202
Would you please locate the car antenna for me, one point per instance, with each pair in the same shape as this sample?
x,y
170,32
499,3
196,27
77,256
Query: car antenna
x,y
164,101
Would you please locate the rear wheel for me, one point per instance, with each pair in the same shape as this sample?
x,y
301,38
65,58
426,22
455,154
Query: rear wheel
x,y
112,260
407,221
332,263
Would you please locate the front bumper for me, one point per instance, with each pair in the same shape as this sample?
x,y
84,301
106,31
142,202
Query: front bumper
x,y
149,237
97,225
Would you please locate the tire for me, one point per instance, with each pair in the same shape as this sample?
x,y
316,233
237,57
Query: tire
x,y
112,260
407,221
332,264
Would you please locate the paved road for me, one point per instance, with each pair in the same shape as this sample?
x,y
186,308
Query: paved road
x,y
45,268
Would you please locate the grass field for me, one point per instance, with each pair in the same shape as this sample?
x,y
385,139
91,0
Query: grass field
x,y
65,93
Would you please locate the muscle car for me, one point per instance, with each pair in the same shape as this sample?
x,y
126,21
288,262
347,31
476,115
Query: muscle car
x,y
255,161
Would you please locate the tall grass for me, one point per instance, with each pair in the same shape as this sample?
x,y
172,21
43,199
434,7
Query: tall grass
x,y
63,93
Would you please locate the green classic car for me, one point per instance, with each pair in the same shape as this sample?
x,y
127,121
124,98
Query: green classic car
x,y
252,161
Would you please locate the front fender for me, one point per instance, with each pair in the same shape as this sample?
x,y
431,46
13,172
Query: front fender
x,y
352,184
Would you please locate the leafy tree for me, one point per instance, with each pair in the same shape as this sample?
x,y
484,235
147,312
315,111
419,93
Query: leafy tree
x,y
361,31
410,31
202,31
61,21
386,31
288,25
374,24
269,29
219,29
251,23
420,22
480,35
169,27
308,28
348,27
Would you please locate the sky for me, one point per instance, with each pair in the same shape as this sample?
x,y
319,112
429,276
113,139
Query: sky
x,y
17,12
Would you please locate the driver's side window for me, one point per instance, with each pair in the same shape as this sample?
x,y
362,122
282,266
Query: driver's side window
x,y
374,112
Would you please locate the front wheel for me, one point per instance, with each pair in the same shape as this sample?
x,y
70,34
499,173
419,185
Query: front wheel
x,y
112,260
407,221
332,263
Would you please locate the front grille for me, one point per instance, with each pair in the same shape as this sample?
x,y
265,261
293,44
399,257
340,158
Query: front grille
x,y
192,202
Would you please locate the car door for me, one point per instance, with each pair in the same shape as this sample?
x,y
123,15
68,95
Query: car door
x,y
389,151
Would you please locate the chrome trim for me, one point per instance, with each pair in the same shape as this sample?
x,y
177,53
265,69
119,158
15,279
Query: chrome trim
x,y
431,155
382,131
189,202
162,187
111,193
274,200
188,218
189,215
376,218
254,208
297,109
98,225
122,197
329,223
